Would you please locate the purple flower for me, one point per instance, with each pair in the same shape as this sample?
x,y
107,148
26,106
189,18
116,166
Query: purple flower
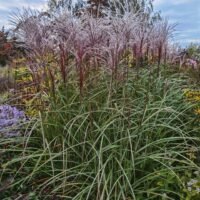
x,y
10,120
192,63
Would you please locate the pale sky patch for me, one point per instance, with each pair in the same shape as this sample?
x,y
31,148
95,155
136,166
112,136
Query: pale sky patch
x,y
7,7
184,13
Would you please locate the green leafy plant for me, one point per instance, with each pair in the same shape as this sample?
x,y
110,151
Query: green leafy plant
x,y
130,141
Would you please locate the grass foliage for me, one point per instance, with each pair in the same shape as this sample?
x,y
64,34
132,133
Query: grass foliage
x,y
6,80
120,140
107,118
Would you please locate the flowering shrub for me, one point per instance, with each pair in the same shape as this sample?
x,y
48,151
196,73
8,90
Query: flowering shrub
x,y
194,97
191,185
25,92
191,63
10,119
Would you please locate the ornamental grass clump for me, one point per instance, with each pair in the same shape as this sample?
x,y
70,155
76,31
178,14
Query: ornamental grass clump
x,y
10,120
62,47
131,141
107,131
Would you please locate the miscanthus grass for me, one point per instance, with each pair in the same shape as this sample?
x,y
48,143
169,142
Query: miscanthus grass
x,y
126,142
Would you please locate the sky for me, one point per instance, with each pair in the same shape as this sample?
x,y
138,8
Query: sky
x,y
184,13
7,7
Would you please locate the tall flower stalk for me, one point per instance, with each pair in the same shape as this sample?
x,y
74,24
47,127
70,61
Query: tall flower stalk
x,y
80,44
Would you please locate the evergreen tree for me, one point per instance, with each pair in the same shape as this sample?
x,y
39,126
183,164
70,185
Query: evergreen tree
x,y
121,6
70,5
8,47
97,7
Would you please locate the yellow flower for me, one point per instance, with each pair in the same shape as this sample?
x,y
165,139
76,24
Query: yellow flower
x,y
197,111
192,95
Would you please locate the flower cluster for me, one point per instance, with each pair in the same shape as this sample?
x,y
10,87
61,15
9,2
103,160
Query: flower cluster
x,y
191,63
194,97
10,119
197,111
193,185
25,89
